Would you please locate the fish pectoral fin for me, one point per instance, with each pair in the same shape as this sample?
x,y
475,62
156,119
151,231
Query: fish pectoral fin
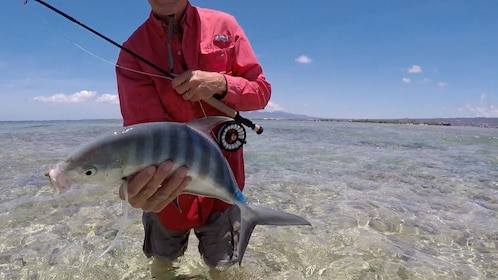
x,y
176,202
207,124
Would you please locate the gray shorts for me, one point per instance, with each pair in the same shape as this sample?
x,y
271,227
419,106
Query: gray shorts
x,y
218,238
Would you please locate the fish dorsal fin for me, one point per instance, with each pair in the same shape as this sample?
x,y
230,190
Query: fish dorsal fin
x,y
207,124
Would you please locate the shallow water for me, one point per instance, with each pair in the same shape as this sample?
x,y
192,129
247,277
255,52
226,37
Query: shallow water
x,y
386,202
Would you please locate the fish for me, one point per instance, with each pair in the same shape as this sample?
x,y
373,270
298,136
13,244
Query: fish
x,y
110,159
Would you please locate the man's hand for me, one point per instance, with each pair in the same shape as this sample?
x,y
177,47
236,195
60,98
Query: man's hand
x,y
154,188
195,85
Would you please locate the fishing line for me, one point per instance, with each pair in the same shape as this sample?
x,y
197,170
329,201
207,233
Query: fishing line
x,y
117,65
68,39
211,101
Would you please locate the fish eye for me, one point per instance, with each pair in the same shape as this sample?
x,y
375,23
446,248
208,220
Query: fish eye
x,y
90,171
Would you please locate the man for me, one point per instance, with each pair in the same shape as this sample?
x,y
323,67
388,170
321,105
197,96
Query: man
x,y
211,57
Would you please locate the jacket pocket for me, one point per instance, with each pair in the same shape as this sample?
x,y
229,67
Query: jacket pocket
x,y
217,60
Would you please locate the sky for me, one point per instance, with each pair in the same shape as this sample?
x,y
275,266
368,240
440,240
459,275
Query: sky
x,y
378,59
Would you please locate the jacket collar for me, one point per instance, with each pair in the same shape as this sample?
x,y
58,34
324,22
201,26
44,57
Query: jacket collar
x,y
186,21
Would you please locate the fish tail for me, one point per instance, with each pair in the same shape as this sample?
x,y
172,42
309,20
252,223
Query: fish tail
x,y
251,216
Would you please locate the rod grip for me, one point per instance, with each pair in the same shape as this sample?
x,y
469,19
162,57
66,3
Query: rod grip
x,y
233,114
221,107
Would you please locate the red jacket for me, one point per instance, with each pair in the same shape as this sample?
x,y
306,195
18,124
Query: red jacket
x,y
212,41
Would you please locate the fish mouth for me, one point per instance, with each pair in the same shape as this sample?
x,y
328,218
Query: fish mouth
x,y
57,180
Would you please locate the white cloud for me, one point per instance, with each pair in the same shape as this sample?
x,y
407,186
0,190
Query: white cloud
x,y
415,69
486,112
303,59
442,84
108,98
77,97
406,80
272,107
482,97
425,81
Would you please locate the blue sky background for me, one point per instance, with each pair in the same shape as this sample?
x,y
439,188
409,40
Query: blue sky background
x,y
327,58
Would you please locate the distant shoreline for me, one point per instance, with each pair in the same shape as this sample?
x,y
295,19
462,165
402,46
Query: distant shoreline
x,y
470,122
457,121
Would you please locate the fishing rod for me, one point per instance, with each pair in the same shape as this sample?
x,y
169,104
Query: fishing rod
x,y
211,101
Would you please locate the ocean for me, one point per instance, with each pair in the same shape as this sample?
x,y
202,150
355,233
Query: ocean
x,y
386,201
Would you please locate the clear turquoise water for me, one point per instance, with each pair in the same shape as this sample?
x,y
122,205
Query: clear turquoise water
x,y
386,202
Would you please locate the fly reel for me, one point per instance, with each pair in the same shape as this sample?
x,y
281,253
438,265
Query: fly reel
x,y
231,136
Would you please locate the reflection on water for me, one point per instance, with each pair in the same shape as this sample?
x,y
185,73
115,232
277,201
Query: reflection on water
x,y
385,201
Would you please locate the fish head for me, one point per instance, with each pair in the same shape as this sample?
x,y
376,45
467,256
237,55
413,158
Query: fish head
x,y
65,174
87,165
58,181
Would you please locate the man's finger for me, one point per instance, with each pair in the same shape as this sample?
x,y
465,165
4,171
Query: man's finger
x,y
172,182
163,203
168,190
162,172
150,188
137,183
179,82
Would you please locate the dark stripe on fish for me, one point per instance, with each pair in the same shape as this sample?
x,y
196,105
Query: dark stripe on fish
x,y
190,149
157,146
138,146
174,144
204,150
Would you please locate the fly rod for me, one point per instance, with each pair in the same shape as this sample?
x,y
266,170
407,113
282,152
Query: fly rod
x,y
211,101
